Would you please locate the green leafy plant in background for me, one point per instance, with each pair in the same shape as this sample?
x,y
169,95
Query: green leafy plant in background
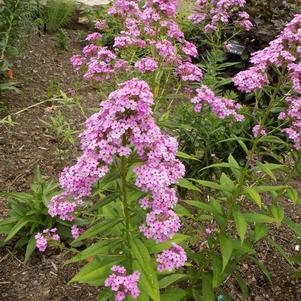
x,y
16,28
62,40
58,13
28,214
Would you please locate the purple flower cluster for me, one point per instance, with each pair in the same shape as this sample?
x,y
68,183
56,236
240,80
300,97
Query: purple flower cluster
x,y
122,284
43,238
127,112
76,231
284,53
189,72
151,26
213,12
146,64
294,115
171,259
221,106
257,131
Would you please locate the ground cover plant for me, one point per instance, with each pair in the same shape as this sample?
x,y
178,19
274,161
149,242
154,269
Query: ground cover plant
x,y
177,180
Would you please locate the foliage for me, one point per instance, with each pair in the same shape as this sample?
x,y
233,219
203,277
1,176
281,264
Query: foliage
x,y
63,40
28,214
58,13
16,27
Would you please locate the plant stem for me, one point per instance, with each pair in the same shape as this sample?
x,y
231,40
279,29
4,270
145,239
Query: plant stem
x,y
124,192
254,147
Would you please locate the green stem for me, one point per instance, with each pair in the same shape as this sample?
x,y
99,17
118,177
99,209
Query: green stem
x,y
124,193
254,147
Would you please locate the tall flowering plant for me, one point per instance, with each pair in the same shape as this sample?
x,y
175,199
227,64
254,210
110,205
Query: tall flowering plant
x,y
249,196
151,46
127,159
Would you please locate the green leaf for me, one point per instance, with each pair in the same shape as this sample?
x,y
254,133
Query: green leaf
x,y
95,272
226,249
177,294
292,225
280,250
148,281
182,211
16,228
292,195
103,202
253,195
31,245
227,183
278,213
100,248
184,183
235,168
243,286
261,231
217,271
201,205
241,224
258,218
263,268
168,280
97,229
209,184
265,168
105,295
156,248
269,188
271,139
183,155
207,288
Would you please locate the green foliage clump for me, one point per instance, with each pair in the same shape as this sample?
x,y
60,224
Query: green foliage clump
x,y
28,215
16,28
58,13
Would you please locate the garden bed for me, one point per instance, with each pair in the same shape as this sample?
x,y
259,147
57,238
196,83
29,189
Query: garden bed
x,y
28,143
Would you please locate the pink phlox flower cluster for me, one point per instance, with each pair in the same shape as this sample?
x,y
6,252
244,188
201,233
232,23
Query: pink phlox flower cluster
x,y
123,285
190,49
146,64
189,72
43,238
211,12
257,131
62,207
162,200
171,259
280,52
166,50
132,28
76,231
220,106
250,80
100,24
161,225
95,36
294,115
90,50
127,111
285,52
168,7
124,7
126,41
77,61
173,30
